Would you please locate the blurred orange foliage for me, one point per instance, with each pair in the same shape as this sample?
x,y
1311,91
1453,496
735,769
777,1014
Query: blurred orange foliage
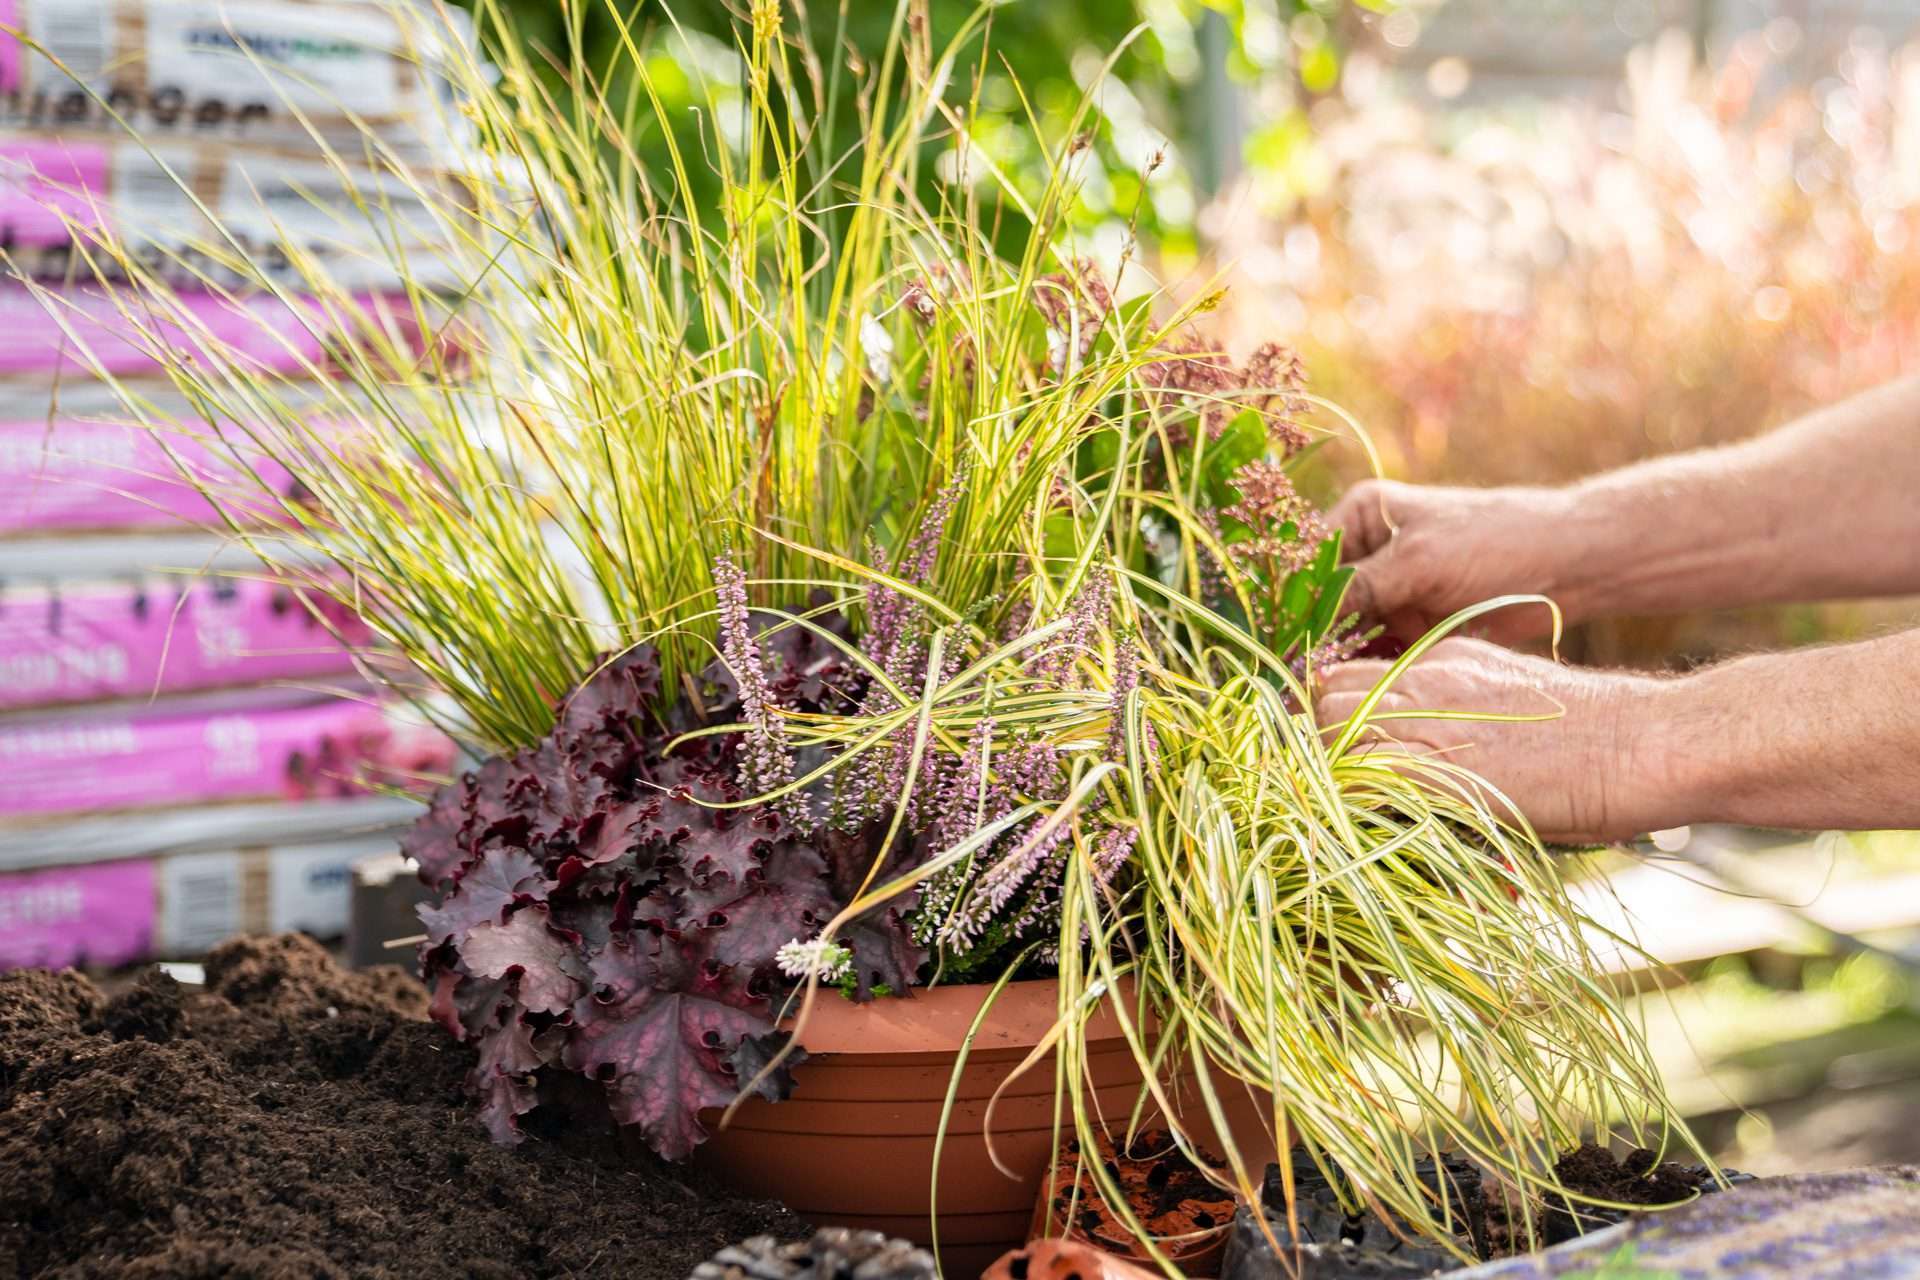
x,y
1532,299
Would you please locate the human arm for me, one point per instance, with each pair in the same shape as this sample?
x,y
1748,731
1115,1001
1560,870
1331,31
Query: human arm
x,y
1826,507
1811,739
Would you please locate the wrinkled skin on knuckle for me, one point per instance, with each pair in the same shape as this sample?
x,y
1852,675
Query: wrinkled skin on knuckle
x,y
1359,513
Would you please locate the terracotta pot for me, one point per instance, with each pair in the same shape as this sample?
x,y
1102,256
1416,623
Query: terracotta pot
x,y
854,1144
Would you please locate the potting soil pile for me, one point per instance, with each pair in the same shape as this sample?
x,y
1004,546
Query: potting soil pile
x,y
294,1119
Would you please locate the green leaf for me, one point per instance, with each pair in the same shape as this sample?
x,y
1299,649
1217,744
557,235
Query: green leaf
x,y
1296,597
1326,609
1098,455
1329,554
1060,537
1136,316
1244,439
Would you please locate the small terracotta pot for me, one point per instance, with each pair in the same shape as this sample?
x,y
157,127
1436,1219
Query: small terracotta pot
x,y
1065,1260
854,1144
1184,1212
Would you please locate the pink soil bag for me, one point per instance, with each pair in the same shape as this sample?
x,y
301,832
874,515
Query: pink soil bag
x,y
256,332
43,183
97,641
71,475
242,750
105,914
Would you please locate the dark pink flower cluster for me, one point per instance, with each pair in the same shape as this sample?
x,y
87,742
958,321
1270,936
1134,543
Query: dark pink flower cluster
x,y
1189,378
1274,382
898,642
1284,529
1075,303
1007,895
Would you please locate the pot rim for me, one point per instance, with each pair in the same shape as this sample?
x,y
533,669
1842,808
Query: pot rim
x,y
935,1020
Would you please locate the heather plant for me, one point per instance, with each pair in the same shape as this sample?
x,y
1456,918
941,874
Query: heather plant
x,y
837,602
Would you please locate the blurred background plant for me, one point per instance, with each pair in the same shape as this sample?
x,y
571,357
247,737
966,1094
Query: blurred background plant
x,y
1517,290
1170,125
1523,240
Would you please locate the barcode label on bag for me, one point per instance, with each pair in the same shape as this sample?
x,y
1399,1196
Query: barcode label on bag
x,y
150,199
309,887
200,901
77,33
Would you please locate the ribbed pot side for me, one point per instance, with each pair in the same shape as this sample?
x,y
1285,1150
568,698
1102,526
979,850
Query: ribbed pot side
x,y
854,1144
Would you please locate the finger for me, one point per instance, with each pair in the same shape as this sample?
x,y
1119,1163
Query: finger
x,y
1336,709
1360,593
1380,743
1354,676
1386,589
1420,762
1361,516
1458,650
1514,624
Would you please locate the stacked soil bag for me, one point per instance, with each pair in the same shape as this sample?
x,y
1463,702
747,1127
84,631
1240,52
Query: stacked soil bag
x,y
186,749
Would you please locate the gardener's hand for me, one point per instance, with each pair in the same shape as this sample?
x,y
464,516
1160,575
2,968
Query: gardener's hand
x,y
1421,553
1584,775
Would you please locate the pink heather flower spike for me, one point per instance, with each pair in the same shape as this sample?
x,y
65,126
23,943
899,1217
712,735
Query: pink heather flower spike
x,y
816,958
1086,615
767,762
1111,852
896,641
922,554
1126,678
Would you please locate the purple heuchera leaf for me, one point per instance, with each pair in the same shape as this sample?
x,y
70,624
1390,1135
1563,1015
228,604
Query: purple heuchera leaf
x,y
503,1081
756,1054
732,848
546,963
437,842
748,922
467,1006
625,690
659,1031
595,916
483,895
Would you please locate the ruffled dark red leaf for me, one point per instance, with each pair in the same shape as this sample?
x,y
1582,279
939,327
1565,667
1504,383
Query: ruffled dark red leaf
x,y
659,1031
483,895
624,690
750,1063
437,841
546,965
467,1006
503,1080
884,953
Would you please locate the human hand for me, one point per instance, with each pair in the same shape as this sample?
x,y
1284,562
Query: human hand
x,y
1587,774
1421,553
